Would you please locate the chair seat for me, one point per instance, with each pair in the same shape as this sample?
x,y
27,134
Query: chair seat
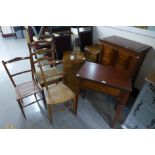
x,y
26,89
58,93
50,80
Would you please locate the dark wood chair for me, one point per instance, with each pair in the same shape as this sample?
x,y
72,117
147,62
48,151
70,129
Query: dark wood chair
x,y
42,55
56,93
25,89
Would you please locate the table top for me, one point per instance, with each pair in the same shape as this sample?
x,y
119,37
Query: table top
x,y
69,56
126,43
107,75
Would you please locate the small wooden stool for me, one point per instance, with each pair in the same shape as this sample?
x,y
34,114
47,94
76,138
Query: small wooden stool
x,y
92,52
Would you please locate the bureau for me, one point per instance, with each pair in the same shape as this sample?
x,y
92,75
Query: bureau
x,y
123,53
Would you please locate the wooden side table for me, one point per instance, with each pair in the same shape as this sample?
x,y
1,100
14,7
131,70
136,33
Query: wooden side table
x,y
72,63
109,80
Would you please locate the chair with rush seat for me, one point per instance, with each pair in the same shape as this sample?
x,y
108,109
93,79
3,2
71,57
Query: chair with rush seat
x,y
25,89
56,93
46,55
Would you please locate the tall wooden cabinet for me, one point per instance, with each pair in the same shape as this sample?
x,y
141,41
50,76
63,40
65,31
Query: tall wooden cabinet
x,y
123,53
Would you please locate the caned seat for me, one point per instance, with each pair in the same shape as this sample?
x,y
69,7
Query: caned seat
x,y
26,89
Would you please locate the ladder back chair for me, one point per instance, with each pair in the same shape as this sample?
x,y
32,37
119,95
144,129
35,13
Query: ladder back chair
x,y
25,89
34,43
57,93
46,55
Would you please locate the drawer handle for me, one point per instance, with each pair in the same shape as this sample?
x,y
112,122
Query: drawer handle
x,y
103,81
77,75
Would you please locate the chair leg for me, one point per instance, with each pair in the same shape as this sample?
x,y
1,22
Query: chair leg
x,y
44,99
21,107
75,106
49,110
35,97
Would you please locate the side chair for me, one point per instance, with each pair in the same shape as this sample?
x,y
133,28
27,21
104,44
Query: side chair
x,y
43,55
56,93
25,89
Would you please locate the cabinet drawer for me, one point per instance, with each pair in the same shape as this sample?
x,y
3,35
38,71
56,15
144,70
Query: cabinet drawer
x,y
101,87
123,60
107,52
106,61
123,56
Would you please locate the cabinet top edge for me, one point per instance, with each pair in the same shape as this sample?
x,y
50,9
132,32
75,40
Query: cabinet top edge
x,y
126,43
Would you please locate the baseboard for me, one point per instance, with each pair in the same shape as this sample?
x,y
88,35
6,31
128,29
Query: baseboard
x,y
8,35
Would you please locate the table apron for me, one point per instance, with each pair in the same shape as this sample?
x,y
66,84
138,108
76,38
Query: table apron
x,y
85,84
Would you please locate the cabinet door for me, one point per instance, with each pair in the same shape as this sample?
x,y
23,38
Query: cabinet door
x,y
126,61
122,60
107,55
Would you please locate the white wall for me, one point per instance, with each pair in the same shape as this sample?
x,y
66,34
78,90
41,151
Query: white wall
x,y
149,61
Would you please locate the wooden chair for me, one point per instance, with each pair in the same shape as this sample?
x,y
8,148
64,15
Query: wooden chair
x,y
36,45
42,55
25,89
56,93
